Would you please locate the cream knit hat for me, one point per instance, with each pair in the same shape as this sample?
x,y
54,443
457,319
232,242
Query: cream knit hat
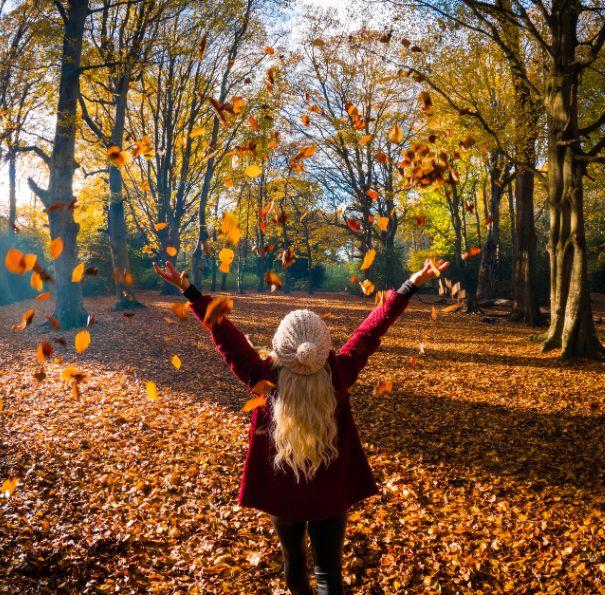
x,y
302,342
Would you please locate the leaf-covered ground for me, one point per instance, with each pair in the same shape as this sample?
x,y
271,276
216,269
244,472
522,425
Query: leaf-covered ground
x,y
490,454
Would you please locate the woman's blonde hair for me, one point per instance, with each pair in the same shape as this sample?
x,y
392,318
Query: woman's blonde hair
x,y
303,427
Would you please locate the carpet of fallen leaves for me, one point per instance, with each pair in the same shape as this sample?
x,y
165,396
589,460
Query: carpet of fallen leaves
x,y
491,457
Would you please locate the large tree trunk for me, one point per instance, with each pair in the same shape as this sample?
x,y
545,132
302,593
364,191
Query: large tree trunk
x,y
116,221
571,323
58,199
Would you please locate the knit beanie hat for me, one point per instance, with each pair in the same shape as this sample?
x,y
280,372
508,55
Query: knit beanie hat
x,y
302,342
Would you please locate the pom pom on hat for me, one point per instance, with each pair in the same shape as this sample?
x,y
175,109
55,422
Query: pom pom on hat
x,y
302,342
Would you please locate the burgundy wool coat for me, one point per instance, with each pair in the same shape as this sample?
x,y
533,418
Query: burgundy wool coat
x,y
348,478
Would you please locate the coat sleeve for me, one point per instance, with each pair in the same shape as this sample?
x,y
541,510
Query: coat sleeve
x,y
234,347
354,354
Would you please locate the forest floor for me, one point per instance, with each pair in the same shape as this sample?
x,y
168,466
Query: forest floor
x,y
490,456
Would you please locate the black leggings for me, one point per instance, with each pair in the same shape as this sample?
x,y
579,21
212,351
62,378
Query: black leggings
x,y
327,540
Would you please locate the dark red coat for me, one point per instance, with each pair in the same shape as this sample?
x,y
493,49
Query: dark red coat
x,y
348,478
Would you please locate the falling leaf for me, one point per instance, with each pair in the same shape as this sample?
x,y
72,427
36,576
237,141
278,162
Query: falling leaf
x,y
54,323
45,351
365,139
253,403
421,220
263,387
253,123
371,194
152,390
472,252
160,226
421,349
434,268
36,281
18,263
225,256
253,171
367,287
230,230
72,375
26,320
273,280
175,360
181,310
269,50
380,297
43,296
368,259
395,134
82,341
434,313
451,308
383,223
217,309
353,224
412,362
118,157
287,258
425,100
56,248
171,251
78,273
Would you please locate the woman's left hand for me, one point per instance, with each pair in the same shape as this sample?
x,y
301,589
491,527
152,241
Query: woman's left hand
x,y
427,272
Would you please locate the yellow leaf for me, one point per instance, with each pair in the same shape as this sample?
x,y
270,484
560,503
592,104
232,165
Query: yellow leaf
x,y
367,287
171,251
368,259
365,139
434,268
253,403
230,230
180,310
8,487
175,360
383,223
56,247
224,267
395,134
434,313
160,226
77,273
82,341
197,132
253,171
152,390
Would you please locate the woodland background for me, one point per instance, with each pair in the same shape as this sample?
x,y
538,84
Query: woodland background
x,y
289,154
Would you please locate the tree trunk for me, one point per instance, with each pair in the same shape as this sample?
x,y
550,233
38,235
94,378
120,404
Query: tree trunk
x,y
488,269
525,301
12,193
571,323
116,221
58,199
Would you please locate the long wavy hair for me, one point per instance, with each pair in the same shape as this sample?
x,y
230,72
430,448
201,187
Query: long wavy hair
x,y
303,426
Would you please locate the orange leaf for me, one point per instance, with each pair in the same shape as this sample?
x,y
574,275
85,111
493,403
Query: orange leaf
x,y
253,403
43,296
385,386
263,387
18,263
372,194
217,309
180,310
367,287
171,251
45,351
56,248
82,341
26,320
8,487
152,390
368,259
77,273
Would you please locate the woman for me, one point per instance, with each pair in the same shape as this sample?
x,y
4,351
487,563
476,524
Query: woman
x,y
305,465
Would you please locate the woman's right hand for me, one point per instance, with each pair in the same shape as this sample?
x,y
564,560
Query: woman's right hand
x,y
172,275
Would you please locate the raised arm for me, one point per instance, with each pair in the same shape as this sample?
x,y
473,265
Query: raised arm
x,y
236,350
354,354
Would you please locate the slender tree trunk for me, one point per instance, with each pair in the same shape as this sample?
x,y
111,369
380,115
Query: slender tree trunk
x,y
571,323
488,268
511,212
12,193
116,221
58,199
525,300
